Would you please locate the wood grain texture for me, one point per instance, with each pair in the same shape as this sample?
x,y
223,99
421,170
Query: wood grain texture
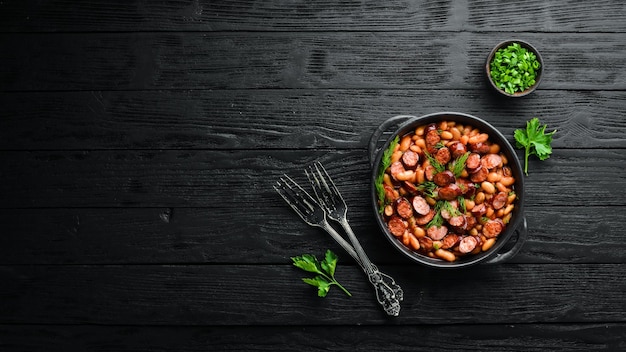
x,y
283,15
243,179
273,294
288,119
139,142
462,337
420,60
559,235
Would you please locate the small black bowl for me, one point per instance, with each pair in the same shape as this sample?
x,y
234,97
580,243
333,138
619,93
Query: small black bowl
x,y
523,44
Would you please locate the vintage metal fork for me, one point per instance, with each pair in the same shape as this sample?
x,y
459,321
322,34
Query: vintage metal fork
x,y
309,210
336,209
313,214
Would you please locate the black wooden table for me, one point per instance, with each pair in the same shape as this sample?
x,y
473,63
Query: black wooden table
x,y
139,142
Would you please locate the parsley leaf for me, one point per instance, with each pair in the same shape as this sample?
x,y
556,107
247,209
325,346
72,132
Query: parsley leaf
x,y
534,140
325,270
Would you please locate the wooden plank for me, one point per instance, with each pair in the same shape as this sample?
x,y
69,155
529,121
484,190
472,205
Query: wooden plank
x,y
505,338
283,15
243,179
211,236
268,295
137,61
244,119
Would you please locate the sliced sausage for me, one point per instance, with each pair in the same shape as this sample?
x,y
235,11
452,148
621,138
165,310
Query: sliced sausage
x,y
397,226
499,200
457,149
458,222
432,138
444,178
480,148
390,195
479,210
430,127
450,192
480,175
471,222
409,187
491,160
436,233
396,168
420,205
429,172
443,155
467,244
468,188
423,220
404,208
492,228
445,214
450,241
410,159
426,244
473,162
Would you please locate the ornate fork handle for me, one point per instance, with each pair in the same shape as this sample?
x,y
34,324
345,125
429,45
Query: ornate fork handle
x,y
388,293
372,270
387,280
389,297
386,297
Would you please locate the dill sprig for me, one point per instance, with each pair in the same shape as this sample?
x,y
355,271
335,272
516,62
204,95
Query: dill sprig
x,y
462,207
428,189
439,206
434,163
437,220
384,164
458,165
450,209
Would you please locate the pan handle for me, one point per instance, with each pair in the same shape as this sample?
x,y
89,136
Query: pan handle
x,y
374,142
522,235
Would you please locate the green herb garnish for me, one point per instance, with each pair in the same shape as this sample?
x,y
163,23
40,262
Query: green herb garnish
x,y
458,165
534,140
450,209
514,68
443,205
428,189
434,163
325,270
462,207
384,164
437,220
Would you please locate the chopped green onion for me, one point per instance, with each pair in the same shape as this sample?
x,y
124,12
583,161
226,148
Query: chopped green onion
x,y
514,68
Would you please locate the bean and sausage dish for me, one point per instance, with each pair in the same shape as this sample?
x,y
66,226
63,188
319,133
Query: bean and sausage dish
x,y
448,191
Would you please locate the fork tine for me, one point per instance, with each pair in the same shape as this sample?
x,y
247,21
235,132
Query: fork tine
x,y
319,187
288,199
314,184
299,200
328,183
301,194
